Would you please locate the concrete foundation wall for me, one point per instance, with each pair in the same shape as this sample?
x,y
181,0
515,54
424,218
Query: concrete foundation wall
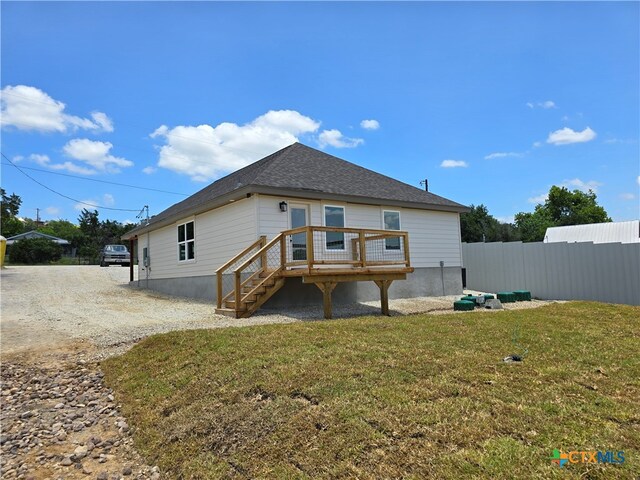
x,y
424,282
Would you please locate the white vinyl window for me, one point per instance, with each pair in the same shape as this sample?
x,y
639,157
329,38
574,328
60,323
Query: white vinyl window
x,y
334,217
391,220
186,242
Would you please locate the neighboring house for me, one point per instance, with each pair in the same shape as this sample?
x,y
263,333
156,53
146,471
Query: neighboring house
x,y
610,232
180,249
67,250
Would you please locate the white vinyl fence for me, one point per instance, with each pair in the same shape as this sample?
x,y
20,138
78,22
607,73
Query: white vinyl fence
x,y
605,272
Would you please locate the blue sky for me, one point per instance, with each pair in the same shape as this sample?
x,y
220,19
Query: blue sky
x,y
492,102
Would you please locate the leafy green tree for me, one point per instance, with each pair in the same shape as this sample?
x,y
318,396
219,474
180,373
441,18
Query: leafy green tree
x,y
478,225
532,226
10,224
96,234
562,207
574,208
34,251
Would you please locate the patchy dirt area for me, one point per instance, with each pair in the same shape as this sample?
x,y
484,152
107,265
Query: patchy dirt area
x,y
58,418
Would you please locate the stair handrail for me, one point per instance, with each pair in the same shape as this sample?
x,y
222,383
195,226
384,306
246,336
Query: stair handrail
x,y
261,241
238,271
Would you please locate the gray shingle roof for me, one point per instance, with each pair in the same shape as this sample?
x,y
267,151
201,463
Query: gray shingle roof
x,y
298,170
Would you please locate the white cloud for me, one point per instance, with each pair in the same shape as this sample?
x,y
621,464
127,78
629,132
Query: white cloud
x,y
507,219
538,199
204,152
90,204
565,136
547,104
627,196
73,168
149,170
96,155
502,155
17,158
42,160
453,164
45,161
638,179
29,108
370,124
52,210
578,184
537,144
336,139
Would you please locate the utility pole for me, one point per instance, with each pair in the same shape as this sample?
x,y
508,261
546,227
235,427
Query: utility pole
x,y
37,215
425,184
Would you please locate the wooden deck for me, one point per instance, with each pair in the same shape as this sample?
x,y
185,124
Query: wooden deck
x,y
324,256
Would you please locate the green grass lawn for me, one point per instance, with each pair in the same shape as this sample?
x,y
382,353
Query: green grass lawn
x,y
422,396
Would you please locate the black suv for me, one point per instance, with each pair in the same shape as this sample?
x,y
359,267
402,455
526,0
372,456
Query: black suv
x,y
115,255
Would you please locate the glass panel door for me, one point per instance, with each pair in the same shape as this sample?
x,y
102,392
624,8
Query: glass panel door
x,y
299,218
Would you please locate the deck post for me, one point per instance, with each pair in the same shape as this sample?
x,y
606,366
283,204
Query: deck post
x,y
383,285
283,250
238,289
363,249
407,258
326,288
131,247
310,255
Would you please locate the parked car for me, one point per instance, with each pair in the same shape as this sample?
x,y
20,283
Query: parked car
x,y
115,255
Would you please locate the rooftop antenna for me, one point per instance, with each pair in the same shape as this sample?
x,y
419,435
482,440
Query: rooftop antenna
x,y
425,183
144,213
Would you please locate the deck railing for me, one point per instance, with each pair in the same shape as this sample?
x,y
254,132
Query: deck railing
x,y
311,249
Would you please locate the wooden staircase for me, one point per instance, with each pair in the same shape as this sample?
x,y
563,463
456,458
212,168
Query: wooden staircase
x,y
253,295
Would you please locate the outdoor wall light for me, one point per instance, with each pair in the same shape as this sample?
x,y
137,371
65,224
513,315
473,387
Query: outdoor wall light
x,y
283,206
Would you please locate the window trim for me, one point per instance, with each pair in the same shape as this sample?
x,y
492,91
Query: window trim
x,y
344,223
384,227
186,241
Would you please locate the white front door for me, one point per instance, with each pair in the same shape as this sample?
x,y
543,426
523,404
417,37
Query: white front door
x,y
299,218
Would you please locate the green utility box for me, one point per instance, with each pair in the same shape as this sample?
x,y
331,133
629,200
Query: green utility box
x,y
507,297
463,305
522,295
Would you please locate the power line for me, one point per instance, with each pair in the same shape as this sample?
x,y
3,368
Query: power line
x,y
63,195
99,181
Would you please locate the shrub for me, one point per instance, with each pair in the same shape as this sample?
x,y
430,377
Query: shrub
x,y
35,250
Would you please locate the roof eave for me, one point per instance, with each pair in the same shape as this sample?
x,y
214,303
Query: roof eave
x,y
318,195
230,197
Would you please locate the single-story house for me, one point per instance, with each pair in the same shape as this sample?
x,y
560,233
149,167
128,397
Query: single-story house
x,y
301,209
67,250
609,232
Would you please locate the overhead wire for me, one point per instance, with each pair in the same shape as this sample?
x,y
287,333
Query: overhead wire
x,y
92,205
98,180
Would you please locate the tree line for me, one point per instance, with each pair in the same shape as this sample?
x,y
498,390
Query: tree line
x,y
562,207
87,237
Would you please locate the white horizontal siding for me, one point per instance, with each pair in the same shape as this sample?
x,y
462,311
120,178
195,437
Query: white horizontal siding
x,y
434,236
219,235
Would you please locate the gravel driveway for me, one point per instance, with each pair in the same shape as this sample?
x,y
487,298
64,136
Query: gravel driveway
x,y
48,307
